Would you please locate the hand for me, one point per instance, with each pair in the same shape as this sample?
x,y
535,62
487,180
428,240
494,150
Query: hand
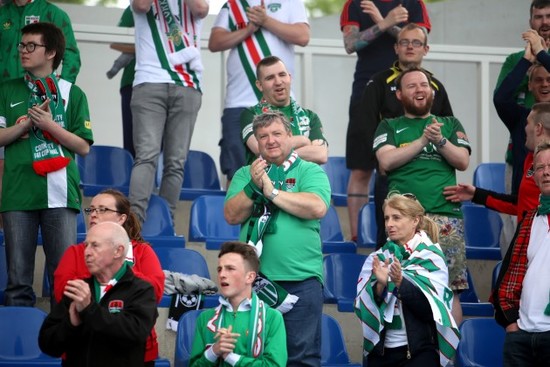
x,y
257,15
78,291
370,8
381,270
225,343
257,172
395,272
536,42
460,192
432,132
397,15
26,122
73,315
512,327
40,115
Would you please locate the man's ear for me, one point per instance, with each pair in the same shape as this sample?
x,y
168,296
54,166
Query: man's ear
x,y
50,54
398,94
259,85
251,277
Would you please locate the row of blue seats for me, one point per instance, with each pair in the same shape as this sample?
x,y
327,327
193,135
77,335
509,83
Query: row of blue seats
x,y
21,325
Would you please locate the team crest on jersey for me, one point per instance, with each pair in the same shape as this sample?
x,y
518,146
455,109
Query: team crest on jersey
x,y
116,306
7,25
30,19
274,7
290,183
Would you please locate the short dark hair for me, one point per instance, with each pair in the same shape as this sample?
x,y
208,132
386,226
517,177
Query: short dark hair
x,y
269,117
266,61
413,69
541,114
52,37
538,4
248,252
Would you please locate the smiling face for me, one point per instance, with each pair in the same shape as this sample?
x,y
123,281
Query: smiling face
x,y
415,94
274,142
234,278
399,227
274,82
539,84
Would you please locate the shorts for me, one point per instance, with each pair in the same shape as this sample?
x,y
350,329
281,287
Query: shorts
x,y
359,139
451,240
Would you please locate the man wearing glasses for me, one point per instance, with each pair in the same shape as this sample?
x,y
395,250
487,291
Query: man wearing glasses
x,y
44,122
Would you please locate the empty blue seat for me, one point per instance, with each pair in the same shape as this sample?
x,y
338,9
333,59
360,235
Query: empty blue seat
x,y
338,176
331,234
482,228
185,261
105,167
367,229
481,343
471,305
333,346
207,223
19,338
158,220
496,272
341,272
490,176
184,338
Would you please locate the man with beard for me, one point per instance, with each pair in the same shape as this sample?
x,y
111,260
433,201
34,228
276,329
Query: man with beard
x,y
420,153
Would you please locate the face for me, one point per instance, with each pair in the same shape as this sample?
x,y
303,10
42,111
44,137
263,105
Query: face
x,y
416,94
410,55
100,254
274,142
541,165
540,22
108,202
274,82
400,228
233,277
39,62
539,84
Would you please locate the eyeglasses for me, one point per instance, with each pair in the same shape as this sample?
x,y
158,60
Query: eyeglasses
x,y
89,211
408,195
406,43
30,47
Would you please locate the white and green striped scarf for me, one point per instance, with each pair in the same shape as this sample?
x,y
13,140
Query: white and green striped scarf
x,y
424,265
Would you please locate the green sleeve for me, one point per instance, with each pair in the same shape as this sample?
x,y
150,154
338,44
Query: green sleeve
x,y
246,123
78,115
458,135
199,343
275,353
316,182
316,126
383,135
239,181
71,59
127,18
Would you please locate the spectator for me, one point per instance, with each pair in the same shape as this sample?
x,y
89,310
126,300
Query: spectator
x,y
45,122
263,28
112,206
167,94
103,320
279,200
369,29
521,296
420,153
274,81
403,300
242,330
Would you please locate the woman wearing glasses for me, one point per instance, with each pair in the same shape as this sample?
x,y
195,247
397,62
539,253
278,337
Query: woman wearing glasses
x,y
403,300
112,206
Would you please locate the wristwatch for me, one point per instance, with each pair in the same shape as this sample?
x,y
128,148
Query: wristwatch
x,y
442,143
273,194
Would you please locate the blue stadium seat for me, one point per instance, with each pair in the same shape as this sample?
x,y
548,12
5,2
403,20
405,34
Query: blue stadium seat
x,y
331,234
366,226
158,220
471,305
481,343
19,338
338,176
105,167
200,176
490,176
185,261
496,271
207,223
333,346
184,338
482,228
341,272
162,362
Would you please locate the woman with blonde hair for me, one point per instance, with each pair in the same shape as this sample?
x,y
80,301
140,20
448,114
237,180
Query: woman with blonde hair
x,y
403,300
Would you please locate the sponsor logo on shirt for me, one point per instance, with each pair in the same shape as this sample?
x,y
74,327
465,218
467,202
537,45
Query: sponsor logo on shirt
x,y
401,130
274,7
12,105
30,19
7,25
116,306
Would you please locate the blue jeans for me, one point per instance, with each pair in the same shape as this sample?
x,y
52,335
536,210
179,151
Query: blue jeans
x,y
232,154
58,228
525,349
303,323
164,116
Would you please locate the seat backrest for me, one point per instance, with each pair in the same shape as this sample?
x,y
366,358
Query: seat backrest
x,y
182,260
19,332
481,343
333,346
207,221
107,166
341,272
184,338
330,226
366,227
470,294
338,174
496,271
490,176
200,172
482,226
159,220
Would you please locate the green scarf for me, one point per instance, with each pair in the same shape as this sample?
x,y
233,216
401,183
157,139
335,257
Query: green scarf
x,y
46,151
299,121
119,274
544,206
256,326
261,222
